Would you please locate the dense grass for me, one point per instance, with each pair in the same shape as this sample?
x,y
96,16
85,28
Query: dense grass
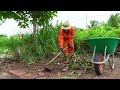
x,y
46,46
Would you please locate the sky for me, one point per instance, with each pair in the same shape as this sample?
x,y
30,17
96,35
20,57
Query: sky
x,y
82,18
76,18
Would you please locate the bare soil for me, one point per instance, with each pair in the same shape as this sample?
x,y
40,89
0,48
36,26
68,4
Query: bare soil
x,y
36,71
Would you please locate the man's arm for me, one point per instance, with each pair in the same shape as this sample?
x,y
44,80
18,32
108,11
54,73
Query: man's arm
x,y
72,33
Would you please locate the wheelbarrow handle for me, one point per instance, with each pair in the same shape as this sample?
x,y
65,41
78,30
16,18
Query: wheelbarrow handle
x,y
56,56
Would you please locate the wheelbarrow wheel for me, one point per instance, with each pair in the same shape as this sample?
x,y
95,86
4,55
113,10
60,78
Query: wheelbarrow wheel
x,y
98,67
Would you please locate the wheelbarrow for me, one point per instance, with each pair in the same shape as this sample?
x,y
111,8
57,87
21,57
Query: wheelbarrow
x,y
102,49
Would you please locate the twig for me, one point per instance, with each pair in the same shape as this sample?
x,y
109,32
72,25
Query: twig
x,y
72,72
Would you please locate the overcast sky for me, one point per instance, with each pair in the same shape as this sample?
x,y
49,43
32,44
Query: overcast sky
x,y
76,18
81,18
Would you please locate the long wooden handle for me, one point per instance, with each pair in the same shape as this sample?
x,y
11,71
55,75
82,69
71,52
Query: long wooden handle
x,y
57,56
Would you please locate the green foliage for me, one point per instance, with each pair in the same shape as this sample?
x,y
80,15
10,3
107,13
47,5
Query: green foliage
x,y
46,46
3,35
26,17
3,41
13,43
3,44
27,50
78,63
100,31
114,20
9,44
93,23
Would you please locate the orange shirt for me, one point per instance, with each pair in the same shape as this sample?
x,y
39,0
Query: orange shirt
x,y
65,38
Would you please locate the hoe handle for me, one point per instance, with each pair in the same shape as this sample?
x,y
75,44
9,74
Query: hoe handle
x,y
56,56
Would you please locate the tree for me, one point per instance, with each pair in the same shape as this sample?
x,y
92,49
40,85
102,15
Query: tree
x,y
94,23
114,20
3,35
24,18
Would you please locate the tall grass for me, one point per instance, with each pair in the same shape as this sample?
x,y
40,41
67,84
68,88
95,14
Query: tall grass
x,y
3,41
46,46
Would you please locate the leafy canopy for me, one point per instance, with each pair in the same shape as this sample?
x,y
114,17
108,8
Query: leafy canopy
x,y
24,18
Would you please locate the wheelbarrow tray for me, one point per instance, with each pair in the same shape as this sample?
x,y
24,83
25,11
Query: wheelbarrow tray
x,y
101,42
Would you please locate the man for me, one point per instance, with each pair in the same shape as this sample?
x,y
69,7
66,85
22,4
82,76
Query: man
x,y
66,38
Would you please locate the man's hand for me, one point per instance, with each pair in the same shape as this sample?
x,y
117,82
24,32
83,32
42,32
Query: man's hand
x,y
69,46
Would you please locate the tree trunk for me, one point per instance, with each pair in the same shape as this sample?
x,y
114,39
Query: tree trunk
x,y
34,26
35,33
34,29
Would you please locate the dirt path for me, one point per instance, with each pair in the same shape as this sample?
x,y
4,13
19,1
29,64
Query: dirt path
x,y
5,75
16,70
